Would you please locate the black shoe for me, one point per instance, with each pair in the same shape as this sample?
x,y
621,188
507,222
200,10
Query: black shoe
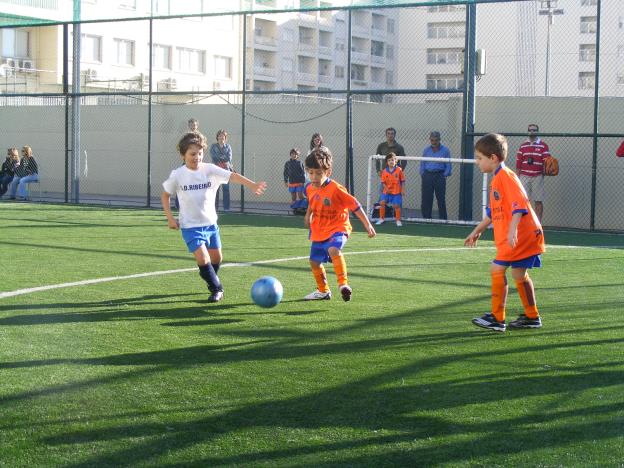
x,y
215,296
488,321
525,322
346,291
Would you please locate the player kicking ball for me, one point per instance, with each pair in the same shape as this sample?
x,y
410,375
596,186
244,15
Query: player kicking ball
x,y
196,184
327,217
518,236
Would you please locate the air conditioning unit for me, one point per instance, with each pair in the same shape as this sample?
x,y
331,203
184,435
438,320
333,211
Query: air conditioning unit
x,y
169,84
28,66
89,74
9,62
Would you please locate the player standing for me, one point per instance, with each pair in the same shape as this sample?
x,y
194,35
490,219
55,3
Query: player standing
x,y
393,181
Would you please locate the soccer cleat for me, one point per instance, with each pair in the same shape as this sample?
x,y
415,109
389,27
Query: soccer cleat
x,y
399,223
215,296
318,296
346,291
525,322
488,321
380,221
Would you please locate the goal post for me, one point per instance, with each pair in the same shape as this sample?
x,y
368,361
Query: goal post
x,y
412,199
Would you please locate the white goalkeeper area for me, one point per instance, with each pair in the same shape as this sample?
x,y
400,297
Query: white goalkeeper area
x,y
412,208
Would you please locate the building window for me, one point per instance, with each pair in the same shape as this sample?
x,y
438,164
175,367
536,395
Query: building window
x,y
588,24
586,80
444,56
389,78
390,52
391,25
358,72
446,30
340,46
589,2
91,48
587,53
620,51
445,82
161,57
223,67
191,60
124,52
15,43
339,71
620,79
377,48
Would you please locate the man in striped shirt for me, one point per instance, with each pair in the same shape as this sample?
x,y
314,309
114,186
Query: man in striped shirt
x,y
530,168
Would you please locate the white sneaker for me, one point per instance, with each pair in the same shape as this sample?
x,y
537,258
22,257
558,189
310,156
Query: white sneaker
x,y
380,221
399,223
318,296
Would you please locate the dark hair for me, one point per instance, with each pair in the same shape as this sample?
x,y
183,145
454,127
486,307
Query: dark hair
x,y
319,158
295,150
191,138
222,132
391,129
389,156
493,144
533,125
322,143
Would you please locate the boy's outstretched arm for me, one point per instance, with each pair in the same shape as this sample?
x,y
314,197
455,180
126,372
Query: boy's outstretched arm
x,y
365,222
473,237
171,221
256,187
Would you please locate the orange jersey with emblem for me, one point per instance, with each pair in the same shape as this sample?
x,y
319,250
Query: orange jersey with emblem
x,y
507,196
330,205
392,181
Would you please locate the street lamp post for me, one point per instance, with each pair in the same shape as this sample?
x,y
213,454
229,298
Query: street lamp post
x,y
549,8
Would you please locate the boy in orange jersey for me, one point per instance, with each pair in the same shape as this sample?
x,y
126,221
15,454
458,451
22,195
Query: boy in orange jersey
x,y
518,236
392,179
327,217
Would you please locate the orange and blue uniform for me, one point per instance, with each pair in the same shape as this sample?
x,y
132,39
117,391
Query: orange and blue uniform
x,y
392,180
329,206
507,197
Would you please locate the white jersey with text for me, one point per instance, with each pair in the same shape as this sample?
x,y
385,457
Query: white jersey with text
x,y
196,191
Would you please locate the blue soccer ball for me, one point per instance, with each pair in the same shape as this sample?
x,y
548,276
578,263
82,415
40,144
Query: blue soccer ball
x,y
267,291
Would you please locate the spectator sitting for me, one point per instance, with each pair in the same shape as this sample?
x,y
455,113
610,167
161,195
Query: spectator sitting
x,y
25,173
8,169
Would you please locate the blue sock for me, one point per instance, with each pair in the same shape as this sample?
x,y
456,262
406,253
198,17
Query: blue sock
x,y
216,267
209,275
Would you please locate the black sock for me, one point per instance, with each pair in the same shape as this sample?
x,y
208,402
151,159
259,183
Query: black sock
x,y
215,267
209,275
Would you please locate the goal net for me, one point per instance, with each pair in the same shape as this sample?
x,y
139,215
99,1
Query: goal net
x,y
413,207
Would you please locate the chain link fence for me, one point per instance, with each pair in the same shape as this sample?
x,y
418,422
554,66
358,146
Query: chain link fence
x,y
272,79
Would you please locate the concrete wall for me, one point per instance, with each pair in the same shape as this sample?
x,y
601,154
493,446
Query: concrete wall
x,y
115,139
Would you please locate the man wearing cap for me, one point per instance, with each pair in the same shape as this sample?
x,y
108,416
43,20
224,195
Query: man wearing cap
x,y
434,176
530,168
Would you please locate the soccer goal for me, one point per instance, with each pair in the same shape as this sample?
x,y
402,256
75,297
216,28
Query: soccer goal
x,y
412,209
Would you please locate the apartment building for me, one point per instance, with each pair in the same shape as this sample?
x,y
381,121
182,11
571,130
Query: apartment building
x,y
189,54
308,51
526,56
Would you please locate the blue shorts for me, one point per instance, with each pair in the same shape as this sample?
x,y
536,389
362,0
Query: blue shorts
x,y
392,199
534,261
319,250
295,188
196,236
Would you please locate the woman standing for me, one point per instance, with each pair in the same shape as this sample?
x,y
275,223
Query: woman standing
x,y
221,154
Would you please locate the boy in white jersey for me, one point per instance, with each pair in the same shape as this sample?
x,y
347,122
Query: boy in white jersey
x,y
196,184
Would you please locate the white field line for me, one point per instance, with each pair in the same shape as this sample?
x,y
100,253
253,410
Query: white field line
x,y
21,292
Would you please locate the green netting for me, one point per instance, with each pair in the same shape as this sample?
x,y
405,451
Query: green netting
x,y
19,13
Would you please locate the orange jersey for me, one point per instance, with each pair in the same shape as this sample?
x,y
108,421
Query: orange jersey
x,y
330,205
392,181
507,196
